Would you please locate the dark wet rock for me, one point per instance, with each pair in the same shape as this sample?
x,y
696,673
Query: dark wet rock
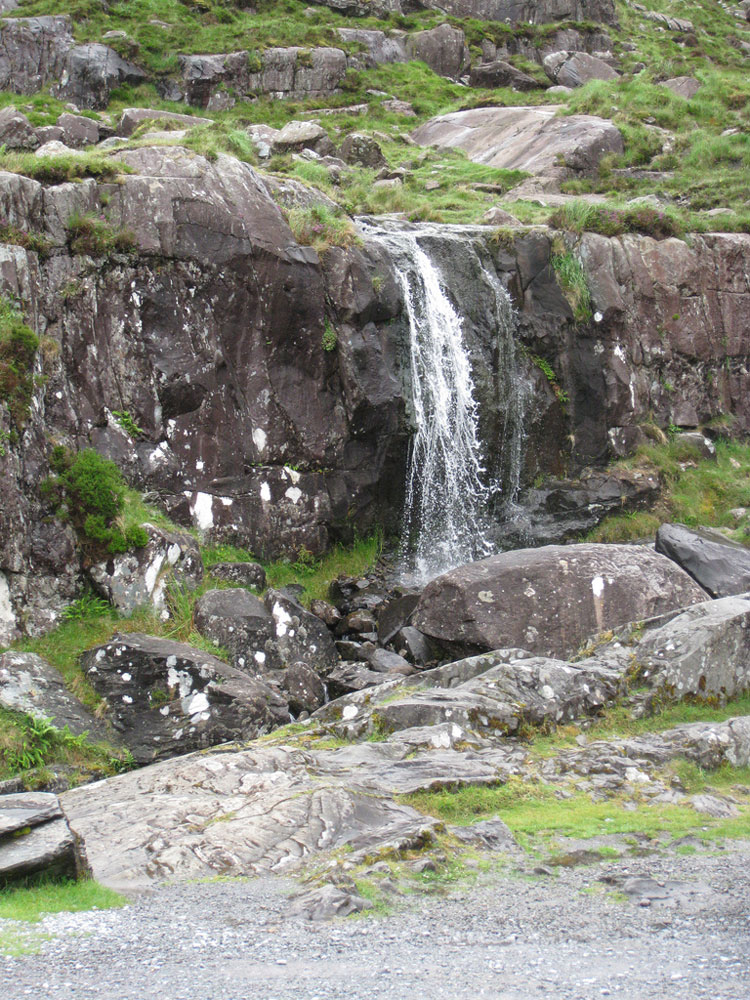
x,y
548,600
326,612
351,676
248,574
142,576
31,685
16,131
239,621
361,622
299,635
573,69
414,646
302,688
394,615
704,651
132,118
35,838
362,151
167,698
326,902
92,72
721,566
384,661
350,650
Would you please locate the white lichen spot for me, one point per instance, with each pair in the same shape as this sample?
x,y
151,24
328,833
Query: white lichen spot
x,y
598,317
547,692
293,475
164,710
201,509
127,677
486,596
127,699
259,439
529,592
349,712
294,493
226,501
199,466
283,620
259,657
597,586
265,492
173,554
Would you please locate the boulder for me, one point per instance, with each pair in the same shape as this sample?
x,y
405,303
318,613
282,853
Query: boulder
x,y
299,635
326,902
35,838
384,661
131,118
16,131
500,73
247,574
302,688
295,136
167,698
326,612
362,151
33,52
49,133
92,71
54,148
499,217
442,48
414,646
548,600
533,139
573,69
380,47
351,676
31,685
142,577
395,615
78,130
720,565
703,652
683,86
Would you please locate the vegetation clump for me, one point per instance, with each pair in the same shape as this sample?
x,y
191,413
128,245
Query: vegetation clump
x,y
579,217
321,229
95,236
89,491
572,279
18,346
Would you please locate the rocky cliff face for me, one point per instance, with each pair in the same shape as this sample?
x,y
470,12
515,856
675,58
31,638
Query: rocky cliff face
x,y
209,335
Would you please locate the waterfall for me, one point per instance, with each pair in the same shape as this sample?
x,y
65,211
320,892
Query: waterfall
x,y
450,494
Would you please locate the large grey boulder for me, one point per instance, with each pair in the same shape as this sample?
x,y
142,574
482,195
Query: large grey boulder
x,y
142,576
31,685
16,131
131,118
573,69
246,574
442,48
297,135
499,73
704,651
533,139
35,838
33,52
548,600
78,130
92,71
720,565
167,698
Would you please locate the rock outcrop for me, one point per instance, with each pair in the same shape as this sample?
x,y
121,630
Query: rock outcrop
x,y
35,839
719,565
548,600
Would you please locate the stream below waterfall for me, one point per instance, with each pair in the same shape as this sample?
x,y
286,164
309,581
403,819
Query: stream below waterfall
x,y
457,484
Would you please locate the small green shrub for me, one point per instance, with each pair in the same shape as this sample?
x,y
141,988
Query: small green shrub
x,y
572,279
579,217
36,242
330,338
321,229
128,424
89,491
18,346
95,236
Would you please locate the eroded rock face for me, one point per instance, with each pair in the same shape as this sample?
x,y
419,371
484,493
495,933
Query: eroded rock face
x,y
550,599
719,565
530,139
167,698
573,69
35,838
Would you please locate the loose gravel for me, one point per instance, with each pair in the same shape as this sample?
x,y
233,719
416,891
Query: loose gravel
x,y
510,936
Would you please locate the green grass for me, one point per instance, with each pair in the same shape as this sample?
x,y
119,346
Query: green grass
x,y
572,280
32,903
59,169
696,492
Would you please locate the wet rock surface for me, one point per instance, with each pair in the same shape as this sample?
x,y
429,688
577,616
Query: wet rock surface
x,y
719,565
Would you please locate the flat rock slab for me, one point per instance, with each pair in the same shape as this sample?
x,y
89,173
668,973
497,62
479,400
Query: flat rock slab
x,y
48,847
548,600
530,139
29,684
719,565
27,809
240,812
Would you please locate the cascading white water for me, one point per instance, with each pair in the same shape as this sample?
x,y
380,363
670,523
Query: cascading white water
x,y
449,493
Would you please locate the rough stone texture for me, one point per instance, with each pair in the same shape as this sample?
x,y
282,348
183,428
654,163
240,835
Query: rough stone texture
x,y
720,565
573,69
500,73
683,86
29,684
549,599
362,150
264,809
303,688
34,838
443,48
351,676
249,574
131,118
33,52
295,136
530,139
92,72
141,577
299,635
530,11
705,651
167,698
78,130
492,694
16,132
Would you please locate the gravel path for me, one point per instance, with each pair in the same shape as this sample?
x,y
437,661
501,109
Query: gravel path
x,y
508,937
